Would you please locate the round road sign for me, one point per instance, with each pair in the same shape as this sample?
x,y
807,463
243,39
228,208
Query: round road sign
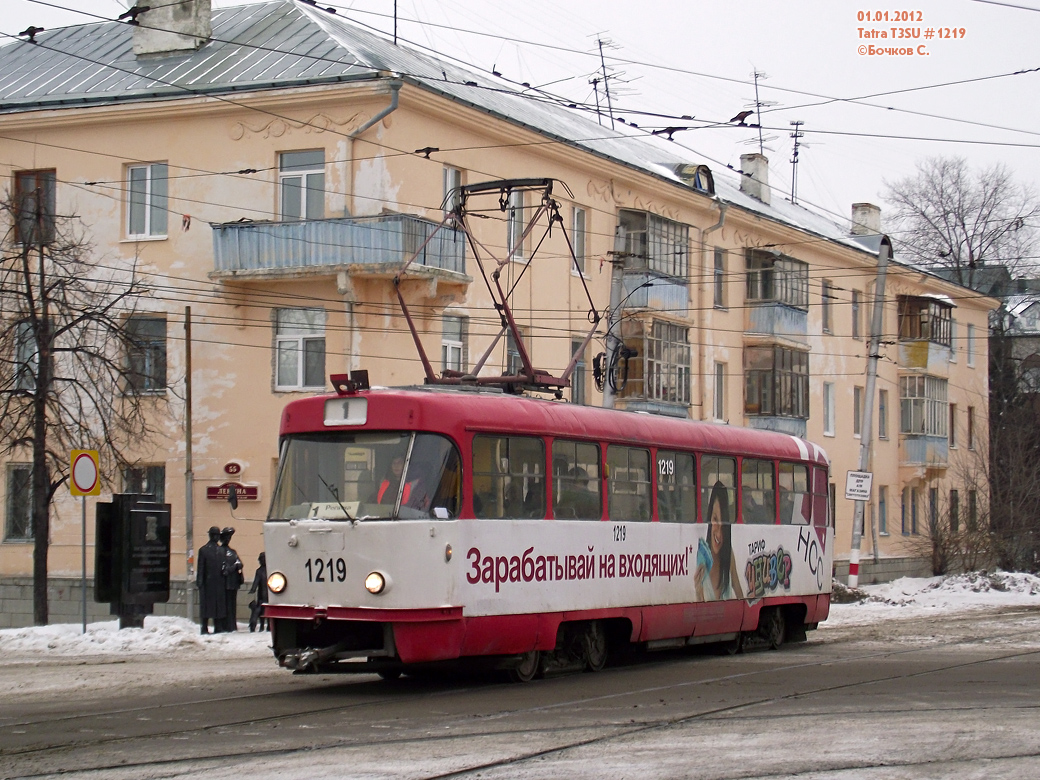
x,y
85,476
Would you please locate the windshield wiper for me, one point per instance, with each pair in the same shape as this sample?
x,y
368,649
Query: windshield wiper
x,y
335,494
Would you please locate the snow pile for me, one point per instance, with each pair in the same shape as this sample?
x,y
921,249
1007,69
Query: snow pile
x,y
160,636
910,597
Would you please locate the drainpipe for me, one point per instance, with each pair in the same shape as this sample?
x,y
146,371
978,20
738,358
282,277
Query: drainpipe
x,y
709,275
395,88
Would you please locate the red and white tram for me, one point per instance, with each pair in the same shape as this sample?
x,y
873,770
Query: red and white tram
x,y
413,526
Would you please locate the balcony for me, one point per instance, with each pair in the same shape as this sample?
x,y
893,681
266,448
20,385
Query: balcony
x,y
374,246
932,452
776,320
647,290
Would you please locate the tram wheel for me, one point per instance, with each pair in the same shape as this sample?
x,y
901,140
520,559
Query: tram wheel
x,y
594,644
528,668
773,628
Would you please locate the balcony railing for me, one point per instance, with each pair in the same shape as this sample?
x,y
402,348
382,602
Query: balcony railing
x,y
388,240
645,290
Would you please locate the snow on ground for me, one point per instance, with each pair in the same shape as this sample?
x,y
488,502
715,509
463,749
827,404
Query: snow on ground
x,y
162,636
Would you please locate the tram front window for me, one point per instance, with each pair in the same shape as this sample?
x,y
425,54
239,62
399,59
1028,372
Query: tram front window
x,y
367,476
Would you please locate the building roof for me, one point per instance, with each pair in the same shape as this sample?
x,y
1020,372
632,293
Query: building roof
x,y
285,43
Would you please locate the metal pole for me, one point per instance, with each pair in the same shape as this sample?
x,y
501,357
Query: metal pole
x,y
884,252
189,475
83,559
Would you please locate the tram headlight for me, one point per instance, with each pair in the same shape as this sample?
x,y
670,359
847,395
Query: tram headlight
x,y
276,582
376,582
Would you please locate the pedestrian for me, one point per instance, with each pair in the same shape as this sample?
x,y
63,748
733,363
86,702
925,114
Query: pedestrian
x,y
259,587
233,579
209,579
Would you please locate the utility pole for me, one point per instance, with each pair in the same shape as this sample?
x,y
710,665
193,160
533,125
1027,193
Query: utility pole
x,y
189,475
884,252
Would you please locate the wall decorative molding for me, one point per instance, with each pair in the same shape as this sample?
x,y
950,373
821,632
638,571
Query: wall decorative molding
x,y
279,127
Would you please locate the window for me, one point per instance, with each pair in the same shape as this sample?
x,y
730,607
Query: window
x,y
452,188
26,358
823,498
913,510
720,391
882,510
904,513
719,278
147,353
34,203
882,416
514,364
18,526
508,476
149,480
953,341
795,498
857,411
453,343
973,510
516,223
301,184
925,319
828,408
576,481
676,487
300,348
628,484
578,235
668,363
578,378
775,278
922,405
971,427
147,202
953,425
856,330
758,491
776,382
718,485
955,511
825,306
648,241
971,345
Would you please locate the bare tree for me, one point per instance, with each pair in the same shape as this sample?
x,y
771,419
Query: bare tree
x,y
951,216
68,379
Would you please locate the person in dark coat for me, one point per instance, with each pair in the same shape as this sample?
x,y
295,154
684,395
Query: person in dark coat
x,y
259,587
233,579
209,579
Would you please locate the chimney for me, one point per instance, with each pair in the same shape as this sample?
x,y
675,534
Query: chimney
x,y
866,219
754,180
173,27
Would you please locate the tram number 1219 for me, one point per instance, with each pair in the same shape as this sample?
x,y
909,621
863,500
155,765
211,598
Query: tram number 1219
x,y
326,570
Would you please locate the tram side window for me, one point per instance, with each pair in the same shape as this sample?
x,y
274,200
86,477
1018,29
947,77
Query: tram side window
x,y
758,491
576,481
628,484
821,491
508,476
795,498
676,487
719,479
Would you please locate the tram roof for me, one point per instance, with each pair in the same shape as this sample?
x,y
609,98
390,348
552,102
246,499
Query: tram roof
x,y
456,412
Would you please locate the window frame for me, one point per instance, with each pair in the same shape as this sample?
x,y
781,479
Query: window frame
x,y
923,399
147,355
826,312
26,357
153,201
18,534
454,342
828,409
668,369
579,377
624,460
452,184
301,341
882,414
924,319
516,223
646,241
26,185
971,346
310,175
579,239
784,383
136,478
856,306
719,407
776,278
721,260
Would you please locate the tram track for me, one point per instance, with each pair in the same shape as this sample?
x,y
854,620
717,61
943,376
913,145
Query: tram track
x,y
609,731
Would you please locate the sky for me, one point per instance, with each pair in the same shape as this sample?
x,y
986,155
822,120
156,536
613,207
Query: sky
x,y
966,90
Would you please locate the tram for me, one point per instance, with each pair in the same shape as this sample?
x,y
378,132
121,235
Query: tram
x,y
415,526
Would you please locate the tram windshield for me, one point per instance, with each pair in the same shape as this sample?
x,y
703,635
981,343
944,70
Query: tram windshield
x,y
367,476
